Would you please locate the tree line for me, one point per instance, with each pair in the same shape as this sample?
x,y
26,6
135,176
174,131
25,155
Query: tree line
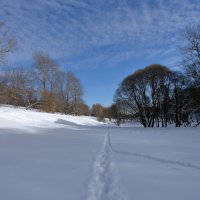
x,y
157,96
44,86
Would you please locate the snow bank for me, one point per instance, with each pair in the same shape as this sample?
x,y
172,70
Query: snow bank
x,y
20,118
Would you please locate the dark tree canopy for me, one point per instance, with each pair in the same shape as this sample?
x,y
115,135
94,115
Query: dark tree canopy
x,y
156,96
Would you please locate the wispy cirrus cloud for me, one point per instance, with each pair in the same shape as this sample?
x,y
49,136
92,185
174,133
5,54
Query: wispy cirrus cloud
x,y
93,32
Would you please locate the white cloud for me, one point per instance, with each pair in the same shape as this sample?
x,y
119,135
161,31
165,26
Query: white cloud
x,y
73,27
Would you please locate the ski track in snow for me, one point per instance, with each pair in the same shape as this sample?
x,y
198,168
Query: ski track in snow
x,y
103,185
153,158
104,182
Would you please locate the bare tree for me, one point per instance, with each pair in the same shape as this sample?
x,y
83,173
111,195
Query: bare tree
x,y
74,93
44,73
7,43
191,62
83,109
59,88
191,53
43,69
178,99
18,88
100,112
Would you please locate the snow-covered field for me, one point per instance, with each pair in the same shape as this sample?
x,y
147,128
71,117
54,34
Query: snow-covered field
x,y
57,157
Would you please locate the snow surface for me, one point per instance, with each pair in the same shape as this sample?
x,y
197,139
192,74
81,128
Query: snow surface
x,y
52,156
20,118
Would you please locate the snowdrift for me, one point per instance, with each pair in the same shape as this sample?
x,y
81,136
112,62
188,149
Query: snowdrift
x,y
20,118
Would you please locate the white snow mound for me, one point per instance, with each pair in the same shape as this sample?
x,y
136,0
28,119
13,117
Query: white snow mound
x,y
20,118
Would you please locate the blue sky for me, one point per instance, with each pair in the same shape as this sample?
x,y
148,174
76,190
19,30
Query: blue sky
x,y
102,41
